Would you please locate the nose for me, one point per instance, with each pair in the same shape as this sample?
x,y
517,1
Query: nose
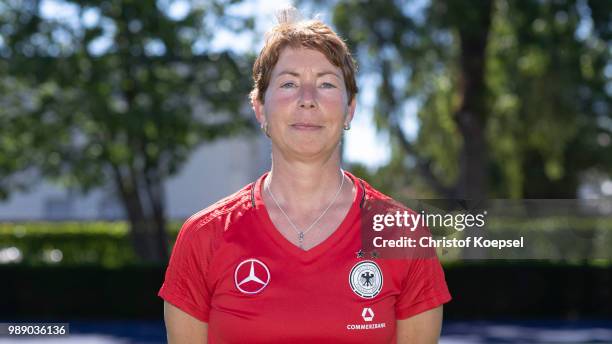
x,y
307,96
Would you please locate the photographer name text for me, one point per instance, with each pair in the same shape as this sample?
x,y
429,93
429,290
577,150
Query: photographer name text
x,y
429,242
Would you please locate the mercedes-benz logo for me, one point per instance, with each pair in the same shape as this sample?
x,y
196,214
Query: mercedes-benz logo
x,y
251,276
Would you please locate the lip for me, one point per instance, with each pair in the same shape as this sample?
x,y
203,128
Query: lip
x,y
306,126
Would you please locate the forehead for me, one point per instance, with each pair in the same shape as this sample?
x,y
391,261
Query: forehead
x,y
303,59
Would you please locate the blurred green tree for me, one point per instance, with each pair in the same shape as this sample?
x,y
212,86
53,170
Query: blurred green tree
x,y
119,94
513,97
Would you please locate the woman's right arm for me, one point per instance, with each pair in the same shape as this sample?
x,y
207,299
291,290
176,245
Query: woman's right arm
x,y
182,328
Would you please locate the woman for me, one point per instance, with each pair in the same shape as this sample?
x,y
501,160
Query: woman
x,y
281,259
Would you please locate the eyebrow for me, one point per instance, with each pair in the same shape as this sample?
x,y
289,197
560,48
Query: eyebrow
x,y
320,74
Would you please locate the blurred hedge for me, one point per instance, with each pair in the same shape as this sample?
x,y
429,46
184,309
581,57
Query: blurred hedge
x,y
107,244
570,239
79,243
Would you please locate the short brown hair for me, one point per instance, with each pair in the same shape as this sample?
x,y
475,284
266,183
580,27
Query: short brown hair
x,y
311,34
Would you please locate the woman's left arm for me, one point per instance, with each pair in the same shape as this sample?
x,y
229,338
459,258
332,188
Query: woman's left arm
x,y
423,328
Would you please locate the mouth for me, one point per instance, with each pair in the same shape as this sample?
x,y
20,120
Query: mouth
x,y
306,126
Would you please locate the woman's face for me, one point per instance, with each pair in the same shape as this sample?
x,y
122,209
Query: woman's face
x,y
306,104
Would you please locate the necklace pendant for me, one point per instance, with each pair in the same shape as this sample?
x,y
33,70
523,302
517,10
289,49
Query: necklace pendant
x,y
301,233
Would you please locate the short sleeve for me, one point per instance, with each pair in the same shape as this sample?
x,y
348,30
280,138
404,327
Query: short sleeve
x,y
185,284
423,288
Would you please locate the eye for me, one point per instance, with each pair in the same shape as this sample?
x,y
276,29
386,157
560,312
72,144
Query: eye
x,y
288,85
327,85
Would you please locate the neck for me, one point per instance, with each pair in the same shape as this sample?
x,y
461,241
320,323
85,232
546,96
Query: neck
x,y
300,185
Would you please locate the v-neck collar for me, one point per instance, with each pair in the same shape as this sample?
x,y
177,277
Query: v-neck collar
x,y
334,239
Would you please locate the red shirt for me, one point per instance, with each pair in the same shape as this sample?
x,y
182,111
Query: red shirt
x,y
230,267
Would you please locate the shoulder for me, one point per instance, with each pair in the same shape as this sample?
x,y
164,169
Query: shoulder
x,y
376,202
218,217
370,193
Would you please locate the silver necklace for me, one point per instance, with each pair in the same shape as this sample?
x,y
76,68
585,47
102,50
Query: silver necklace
x,y
301,234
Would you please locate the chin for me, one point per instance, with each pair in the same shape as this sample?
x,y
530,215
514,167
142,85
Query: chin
x,y
313,150
309,151
311,147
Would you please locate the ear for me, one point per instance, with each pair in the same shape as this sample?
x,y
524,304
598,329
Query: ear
x,y
350,111
258,108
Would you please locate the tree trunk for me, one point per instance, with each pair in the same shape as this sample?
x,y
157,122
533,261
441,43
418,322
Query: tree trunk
x,y
155,193
472,112
148,237
471,117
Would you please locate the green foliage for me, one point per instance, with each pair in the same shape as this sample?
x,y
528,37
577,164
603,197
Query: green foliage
x,y
544,101
118,95
542,83
144,102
